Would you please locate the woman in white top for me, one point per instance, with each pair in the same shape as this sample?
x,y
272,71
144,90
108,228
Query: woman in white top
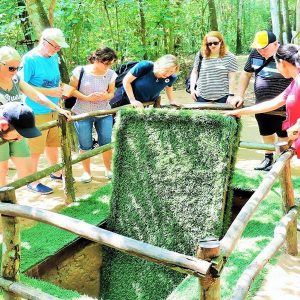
x,y
96,89
215,81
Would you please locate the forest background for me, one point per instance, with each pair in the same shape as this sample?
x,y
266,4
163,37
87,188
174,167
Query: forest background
x,y
145,29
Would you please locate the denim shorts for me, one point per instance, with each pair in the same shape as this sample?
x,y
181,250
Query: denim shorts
x,y
84,129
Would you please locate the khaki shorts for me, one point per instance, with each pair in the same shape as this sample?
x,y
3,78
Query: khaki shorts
x,y
49,138
14,149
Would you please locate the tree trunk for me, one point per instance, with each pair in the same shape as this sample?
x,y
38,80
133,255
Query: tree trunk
x,y
143,27
40,21
297,36
276,19
26,26
108,18
239,24
286,20
51,12
213,15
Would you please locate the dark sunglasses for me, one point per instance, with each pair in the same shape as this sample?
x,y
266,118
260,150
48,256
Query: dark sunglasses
x,y
13,69
213,43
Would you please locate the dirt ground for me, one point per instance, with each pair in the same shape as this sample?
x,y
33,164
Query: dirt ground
x,y
282,279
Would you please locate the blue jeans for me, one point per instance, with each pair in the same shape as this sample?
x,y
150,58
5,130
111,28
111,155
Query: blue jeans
x,y
103,128
221,100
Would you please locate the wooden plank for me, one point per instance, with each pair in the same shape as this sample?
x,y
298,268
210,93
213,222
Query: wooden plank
x,y
173,260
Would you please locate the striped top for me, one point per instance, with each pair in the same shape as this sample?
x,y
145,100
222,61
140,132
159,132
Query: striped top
x,y
268,83
213,80
91,83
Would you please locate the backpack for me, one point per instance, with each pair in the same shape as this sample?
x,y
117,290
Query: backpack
x,y
70,102
122,70
188,78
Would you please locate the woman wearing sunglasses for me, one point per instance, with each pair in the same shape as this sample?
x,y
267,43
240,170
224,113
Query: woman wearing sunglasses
x,y
11,89
215,81
287,60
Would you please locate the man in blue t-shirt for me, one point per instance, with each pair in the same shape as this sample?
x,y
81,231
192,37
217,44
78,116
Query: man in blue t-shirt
x,y
41,70
145,81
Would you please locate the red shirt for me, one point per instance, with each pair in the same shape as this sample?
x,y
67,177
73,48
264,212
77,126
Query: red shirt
x,y
292,102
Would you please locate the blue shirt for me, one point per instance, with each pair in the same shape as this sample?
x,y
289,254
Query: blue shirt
x,y
43,72
146,87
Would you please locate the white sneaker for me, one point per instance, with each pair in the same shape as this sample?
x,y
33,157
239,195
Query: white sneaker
x,y
108,174
85,178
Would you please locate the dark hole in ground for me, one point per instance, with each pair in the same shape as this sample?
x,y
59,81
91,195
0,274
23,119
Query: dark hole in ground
x,y
240,197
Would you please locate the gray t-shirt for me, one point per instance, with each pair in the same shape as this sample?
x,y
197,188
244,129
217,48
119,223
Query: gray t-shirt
x,y
91,83
213,80
13,95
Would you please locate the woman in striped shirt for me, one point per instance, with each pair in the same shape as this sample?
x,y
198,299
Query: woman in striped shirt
x,y
215,81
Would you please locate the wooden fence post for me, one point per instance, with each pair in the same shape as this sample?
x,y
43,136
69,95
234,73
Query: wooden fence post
x,y
210,285
10,265
288,199
66,136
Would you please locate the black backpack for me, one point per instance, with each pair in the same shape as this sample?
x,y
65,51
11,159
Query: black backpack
x,y
122,70
188,78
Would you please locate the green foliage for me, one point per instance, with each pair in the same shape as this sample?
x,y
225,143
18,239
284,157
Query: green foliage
x,y
174,198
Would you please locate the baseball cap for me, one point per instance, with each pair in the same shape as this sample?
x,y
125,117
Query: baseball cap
x,y
56,35
22,118
263,39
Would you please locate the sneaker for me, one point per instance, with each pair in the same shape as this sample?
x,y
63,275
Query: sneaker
x,y
56,178
108,174
85,178
40,188
265,164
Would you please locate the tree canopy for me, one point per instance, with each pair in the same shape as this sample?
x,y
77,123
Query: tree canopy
x,y
140,29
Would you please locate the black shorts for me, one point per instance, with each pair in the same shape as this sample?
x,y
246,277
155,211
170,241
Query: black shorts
x,y
270,124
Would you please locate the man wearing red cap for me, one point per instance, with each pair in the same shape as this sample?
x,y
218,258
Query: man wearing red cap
x,y
268,84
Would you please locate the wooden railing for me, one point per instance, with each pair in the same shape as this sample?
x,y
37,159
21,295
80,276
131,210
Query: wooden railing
x,y
212,255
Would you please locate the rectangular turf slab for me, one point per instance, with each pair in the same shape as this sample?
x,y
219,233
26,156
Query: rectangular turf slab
x,y
170,188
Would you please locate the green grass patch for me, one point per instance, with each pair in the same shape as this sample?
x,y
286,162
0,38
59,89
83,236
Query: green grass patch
x,y
256,236
43,240
170,188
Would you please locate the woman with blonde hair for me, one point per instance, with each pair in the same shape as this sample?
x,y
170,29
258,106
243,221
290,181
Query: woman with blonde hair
x,y
145,81
11,89
213,75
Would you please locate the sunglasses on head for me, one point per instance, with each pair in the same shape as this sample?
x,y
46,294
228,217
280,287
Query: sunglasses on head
x,y
213,43
13,69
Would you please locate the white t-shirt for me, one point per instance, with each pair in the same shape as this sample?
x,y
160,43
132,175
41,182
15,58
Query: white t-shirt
x,y
91,83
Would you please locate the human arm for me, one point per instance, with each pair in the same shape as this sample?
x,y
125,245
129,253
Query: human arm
x,y
231,78
259,108
40,98
170,95
193,80
244,80
293,131
128,79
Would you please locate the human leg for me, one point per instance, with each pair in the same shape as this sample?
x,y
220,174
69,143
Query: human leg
x,y
269,125
85,140
104,130
4,157
52,143
37,147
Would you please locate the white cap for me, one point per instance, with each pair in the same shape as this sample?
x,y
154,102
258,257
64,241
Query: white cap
x,y
56,35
